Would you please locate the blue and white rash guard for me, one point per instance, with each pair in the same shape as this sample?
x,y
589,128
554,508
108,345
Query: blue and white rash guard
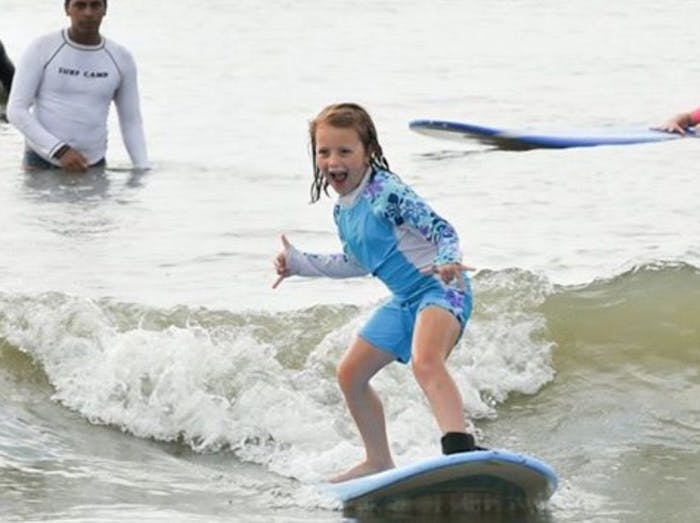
x,y
386,230
62,92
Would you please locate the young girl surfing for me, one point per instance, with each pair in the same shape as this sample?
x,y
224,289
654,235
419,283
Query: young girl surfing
x,y
388,231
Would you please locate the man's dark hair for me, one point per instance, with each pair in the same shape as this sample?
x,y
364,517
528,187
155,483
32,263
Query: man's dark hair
x,y
66,2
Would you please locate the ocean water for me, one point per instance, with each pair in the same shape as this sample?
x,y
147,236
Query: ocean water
x,y
149,372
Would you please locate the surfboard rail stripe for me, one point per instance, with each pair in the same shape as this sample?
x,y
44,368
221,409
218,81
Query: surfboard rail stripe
x,y
538,138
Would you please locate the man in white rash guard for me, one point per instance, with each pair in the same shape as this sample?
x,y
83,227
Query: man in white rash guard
x,y
62,90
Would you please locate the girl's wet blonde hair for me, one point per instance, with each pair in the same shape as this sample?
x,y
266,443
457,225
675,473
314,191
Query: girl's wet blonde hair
x,y
345,116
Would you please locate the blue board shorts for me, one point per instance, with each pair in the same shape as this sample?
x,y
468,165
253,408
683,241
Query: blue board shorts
x,y
391,326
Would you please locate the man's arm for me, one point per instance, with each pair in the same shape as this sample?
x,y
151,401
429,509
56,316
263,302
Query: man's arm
x,y
25,85
129,110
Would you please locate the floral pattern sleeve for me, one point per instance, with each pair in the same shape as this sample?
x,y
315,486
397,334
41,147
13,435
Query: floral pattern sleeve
x,y
403,207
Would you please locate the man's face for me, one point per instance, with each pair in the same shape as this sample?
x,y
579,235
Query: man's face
x,y
86,16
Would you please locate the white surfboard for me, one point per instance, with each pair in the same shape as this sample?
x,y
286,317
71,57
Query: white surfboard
x,y
463,482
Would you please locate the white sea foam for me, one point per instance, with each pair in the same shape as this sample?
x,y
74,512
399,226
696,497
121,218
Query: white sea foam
x,y
222,387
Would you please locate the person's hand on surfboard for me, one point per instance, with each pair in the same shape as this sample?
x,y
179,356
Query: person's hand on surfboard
x,y
678,124
449,272
281,262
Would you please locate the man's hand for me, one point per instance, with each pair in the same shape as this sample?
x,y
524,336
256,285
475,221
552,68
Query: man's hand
x,y
73,161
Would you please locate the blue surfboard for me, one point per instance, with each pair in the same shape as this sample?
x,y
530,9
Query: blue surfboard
x,y
524,139
463,482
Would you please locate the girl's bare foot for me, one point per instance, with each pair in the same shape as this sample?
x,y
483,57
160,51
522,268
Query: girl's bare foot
x,y
363,469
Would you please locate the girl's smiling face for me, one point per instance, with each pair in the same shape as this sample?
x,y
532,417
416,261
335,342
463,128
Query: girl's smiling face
x,y
341,157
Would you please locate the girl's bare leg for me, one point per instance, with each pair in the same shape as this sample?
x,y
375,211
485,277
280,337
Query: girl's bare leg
x,y
359,364
435,335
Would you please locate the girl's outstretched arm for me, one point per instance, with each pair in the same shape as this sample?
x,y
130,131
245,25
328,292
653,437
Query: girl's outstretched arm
x,y
290,261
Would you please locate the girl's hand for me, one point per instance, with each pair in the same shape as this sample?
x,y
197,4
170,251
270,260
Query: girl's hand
x,y
281,262
449,272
